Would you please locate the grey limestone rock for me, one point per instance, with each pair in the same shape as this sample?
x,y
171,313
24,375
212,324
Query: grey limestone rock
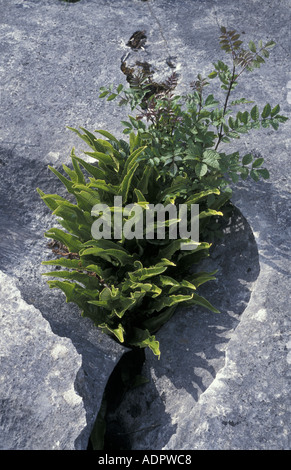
x,y
228,388
90,357
239,397
38,373
247,406
193,344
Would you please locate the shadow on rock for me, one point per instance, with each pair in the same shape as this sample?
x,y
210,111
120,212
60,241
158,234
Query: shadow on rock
x,y
192,344
24,219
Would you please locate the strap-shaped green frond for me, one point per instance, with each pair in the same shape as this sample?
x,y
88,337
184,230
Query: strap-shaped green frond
x,y
68,240
143,338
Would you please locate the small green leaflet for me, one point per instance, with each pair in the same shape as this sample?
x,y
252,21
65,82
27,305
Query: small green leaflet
x,y
266,111
252,46
247,159
258,162
211,158
200,169
255,115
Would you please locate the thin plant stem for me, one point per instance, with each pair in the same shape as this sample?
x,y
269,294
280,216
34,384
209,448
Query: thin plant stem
x,y
232,80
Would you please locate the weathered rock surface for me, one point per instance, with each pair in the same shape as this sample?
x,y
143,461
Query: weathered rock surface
x,y
38,372
239,397
90,356
247,406
233,395
220,384
192,344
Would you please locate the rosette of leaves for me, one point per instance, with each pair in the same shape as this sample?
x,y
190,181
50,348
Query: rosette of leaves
x,y
128,287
